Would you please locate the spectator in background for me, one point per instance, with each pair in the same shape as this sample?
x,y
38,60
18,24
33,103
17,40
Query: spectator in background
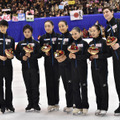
x,y
85,33
88,7
95,9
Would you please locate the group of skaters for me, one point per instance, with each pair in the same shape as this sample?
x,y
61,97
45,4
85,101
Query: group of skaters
x,y
72,67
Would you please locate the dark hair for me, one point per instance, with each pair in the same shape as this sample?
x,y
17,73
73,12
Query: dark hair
x,y
4,23
50,22
63,21
109,8
27,27
98,28
77,29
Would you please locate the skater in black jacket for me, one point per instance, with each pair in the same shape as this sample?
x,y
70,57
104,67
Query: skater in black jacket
x,y
79,72
6,70
99,68
64,40
28,51
113,29
51,66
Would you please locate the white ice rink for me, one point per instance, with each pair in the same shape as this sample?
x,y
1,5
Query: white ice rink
x,y
20,98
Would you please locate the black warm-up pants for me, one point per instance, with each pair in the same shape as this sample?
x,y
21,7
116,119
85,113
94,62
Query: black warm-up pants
x,y
52,83
101,88
79,78
65,73
31,80
6,73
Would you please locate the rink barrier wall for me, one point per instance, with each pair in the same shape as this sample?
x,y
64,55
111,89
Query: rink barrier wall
x,y
16,28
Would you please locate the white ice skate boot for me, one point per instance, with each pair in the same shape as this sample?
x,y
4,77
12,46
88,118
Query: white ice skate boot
x,y
97,112
84,111
103,112
51,108
57,107
77,111
68,109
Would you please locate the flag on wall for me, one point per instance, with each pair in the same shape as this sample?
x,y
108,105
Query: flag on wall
x,y
76,15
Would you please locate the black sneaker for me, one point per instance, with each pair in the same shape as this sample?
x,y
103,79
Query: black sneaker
x,y
2,109
11,108
37,108
29,107
117,111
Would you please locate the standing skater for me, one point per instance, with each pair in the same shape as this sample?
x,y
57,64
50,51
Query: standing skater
x,y
30,69
79,73
6,70
99,70
113,29
51,66
64,40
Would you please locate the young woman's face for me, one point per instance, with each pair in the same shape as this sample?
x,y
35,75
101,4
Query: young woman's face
x,y
27,33
62,27
108,15
48,27
75,34
3,29
94,32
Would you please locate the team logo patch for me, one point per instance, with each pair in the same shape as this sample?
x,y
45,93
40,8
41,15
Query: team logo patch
x,y
66,39
24,44
7,40
80,45
98,45
59,38
47,39
53,39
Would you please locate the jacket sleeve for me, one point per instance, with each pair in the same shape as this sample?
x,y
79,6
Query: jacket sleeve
x,y
106,52
41,42
118,30
69,43
13,46
18,52
85,54
37,52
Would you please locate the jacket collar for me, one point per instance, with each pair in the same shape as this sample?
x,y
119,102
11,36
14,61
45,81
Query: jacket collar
x,y
28,39
48,34
66,33
112,21
1,34
78,40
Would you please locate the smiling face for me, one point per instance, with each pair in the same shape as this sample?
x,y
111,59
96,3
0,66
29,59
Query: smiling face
x,y
27,33
3,29
75,34
108,15
94,32
48,27
62,27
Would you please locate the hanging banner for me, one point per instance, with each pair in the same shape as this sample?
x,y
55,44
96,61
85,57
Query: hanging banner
x,y
21,17
15,18
72,2
30,15
6,17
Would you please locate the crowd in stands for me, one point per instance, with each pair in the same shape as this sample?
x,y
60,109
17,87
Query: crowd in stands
x,y
50,8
